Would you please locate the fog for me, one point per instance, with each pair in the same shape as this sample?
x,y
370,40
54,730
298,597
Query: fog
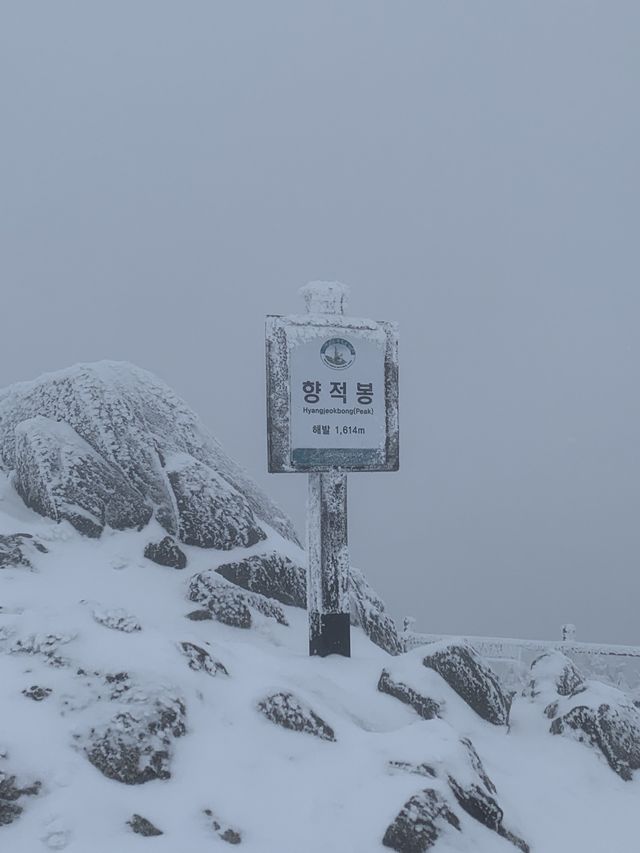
x,y
172,172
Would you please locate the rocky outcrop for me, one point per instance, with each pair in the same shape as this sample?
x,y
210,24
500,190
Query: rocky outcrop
x,y
287,711
59,475
612,728
420,823
424,706
130,447
458,766
166,553
136,745
466,673
275,576
230,604
272,575
596,714
18,550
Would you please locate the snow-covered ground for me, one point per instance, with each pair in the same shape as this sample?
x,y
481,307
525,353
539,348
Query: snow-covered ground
x,y
283,791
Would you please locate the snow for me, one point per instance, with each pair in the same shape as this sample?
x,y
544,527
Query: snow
x,y
284,791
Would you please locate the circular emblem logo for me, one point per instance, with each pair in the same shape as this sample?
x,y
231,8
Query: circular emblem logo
x,y
338,353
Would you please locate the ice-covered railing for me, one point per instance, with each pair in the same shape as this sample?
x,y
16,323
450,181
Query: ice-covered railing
x,y
511,658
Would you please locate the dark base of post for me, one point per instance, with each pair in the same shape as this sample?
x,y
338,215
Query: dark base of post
x,y
329,634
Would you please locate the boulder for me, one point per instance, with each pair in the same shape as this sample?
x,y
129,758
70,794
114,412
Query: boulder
x,y
465,672
287,711
116,618
613,729
141,826
424,706
230,604
200,660
166,553
553,674
59,475
18,549
272,575
37,693
140,432
420,823
458,765
136,745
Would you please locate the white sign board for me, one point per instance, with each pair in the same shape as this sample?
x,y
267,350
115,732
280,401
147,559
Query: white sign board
x,y
332,391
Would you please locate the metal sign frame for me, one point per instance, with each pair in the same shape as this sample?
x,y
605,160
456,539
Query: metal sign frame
x,y
280,459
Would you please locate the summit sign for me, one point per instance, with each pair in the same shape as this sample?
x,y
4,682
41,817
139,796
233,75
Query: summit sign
x,y
332,394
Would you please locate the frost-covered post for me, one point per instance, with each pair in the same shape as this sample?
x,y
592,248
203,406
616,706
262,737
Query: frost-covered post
x,y
332,408
327,541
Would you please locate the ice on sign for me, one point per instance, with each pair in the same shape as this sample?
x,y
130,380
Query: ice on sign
x,y
337,393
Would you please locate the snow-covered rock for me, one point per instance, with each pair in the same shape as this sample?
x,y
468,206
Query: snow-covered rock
x,y
272,575
230,604
58,474
426,707
472,679
200,660
166,553
12,795
19,549
276,576
285,710
136,745
120,423
587,711
420,823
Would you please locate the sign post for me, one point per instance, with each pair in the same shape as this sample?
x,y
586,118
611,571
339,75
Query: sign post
x,y
332,408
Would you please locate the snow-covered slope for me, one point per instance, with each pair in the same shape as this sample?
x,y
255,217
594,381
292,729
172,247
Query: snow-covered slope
x,y
122,697
157,694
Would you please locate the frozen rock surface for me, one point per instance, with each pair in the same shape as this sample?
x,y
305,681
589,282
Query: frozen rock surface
x,y
420,823
11,796
462,782
423,705
276,576
109,444
136,745
230,604
18,550
587,711
272,575
200,660
141,826
368,611
59,475
285,710
166,553
466,673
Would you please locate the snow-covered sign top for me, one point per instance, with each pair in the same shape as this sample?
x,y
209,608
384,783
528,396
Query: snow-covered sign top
x,y
332,392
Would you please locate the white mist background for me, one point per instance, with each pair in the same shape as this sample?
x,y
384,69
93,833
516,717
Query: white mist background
x,y
171,173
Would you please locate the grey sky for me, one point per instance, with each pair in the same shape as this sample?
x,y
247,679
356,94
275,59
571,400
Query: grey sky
x,y
172,172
